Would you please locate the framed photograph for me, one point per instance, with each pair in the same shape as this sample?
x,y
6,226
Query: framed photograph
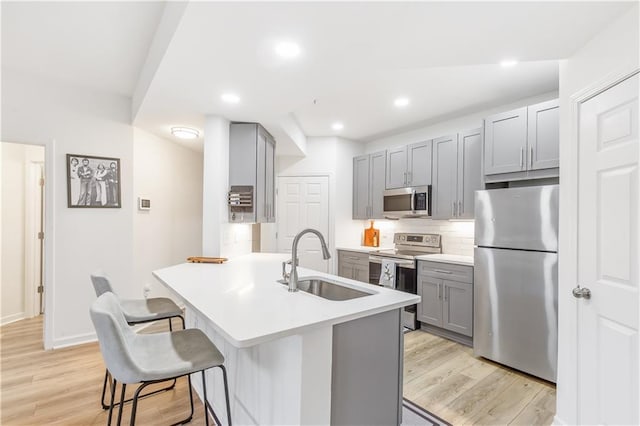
x,y
93,182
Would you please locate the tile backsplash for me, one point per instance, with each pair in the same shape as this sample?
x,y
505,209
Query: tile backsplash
x,y
457,236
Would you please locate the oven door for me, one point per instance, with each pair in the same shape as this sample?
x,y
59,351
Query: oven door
x,y
405,280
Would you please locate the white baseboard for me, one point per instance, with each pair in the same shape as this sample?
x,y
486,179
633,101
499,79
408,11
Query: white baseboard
x,y
12,318
74,340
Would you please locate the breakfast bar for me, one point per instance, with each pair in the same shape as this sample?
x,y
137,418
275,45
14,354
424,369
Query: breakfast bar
x,y
295,357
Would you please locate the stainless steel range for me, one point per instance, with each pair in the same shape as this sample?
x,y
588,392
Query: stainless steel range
x,y
396,268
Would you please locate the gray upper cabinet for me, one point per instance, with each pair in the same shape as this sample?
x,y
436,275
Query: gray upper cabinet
x,y
457,174
523,140
445,160
252,163
469,172
396,168
544,136
419,164
409,165
368,185
505,142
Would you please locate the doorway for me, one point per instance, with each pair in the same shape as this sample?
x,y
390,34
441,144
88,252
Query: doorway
x,y
303,202
22,229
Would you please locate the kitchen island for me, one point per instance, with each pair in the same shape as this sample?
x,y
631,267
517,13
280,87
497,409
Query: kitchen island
x,y
295,358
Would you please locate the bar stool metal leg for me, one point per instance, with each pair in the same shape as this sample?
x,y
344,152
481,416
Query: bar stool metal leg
x,y
113,395
124,389
226,393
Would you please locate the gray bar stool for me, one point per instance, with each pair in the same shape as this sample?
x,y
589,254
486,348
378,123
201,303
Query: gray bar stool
x,y
152,358
138,312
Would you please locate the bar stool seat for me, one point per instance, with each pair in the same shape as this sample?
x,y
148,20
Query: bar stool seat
x,y
147,310
164,355
152,358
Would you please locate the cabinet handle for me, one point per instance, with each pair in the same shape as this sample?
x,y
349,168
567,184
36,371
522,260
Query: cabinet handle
x,y
521,153
409,178
405,177
531,149
460,209
445,290
439,292
453,209
442,271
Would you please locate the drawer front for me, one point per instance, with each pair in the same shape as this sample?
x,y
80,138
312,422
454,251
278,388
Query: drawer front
x,y
354,257
446,271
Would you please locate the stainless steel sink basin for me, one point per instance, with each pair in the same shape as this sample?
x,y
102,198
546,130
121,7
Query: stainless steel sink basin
x,y
328,290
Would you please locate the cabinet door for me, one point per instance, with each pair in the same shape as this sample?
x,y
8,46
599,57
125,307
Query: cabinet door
x,y
419,164
430,307
270,193
543,136
377,172
445,161
346,270
261,181
361,187
396,168
457,312
469,172
361,273
505,142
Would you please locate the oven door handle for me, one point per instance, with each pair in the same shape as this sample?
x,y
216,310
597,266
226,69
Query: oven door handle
x,y
408,264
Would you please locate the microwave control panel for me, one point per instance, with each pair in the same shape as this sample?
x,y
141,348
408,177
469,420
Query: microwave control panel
x,y
421,201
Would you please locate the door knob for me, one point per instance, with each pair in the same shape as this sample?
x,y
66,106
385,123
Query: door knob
x,y
581,293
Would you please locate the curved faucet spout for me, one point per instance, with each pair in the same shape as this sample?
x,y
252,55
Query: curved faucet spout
x,y
293,279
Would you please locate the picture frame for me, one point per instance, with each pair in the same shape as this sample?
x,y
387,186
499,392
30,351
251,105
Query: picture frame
x,y
93,182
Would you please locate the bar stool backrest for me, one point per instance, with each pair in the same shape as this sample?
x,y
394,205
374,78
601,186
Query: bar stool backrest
x,y
115,337
101,284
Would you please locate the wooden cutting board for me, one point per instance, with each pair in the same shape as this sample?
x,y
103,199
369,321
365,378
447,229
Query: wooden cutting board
x,y
202,259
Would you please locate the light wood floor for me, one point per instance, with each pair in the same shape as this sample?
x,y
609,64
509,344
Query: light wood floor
x,y
445,378
63,387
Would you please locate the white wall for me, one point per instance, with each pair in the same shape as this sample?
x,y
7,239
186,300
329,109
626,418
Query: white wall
x,y
614,50
84,240
74,120
170,175
15,167
465,122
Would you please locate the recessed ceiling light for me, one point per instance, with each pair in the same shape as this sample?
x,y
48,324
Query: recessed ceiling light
x,y
184,132
230,98
337,126
287,49
401,102
508,63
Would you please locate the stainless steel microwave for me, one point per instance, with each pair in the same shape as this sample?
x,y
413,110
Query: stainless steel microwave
x,y
407,202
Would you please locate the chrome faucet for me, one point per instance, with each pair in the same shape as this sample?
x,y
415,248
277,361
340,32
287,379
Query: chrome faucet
x,y
293,276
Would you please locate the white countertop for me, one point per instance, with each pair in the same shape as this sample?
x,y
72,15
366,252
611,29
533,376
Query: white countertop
x,y
448,258
362,249
245,304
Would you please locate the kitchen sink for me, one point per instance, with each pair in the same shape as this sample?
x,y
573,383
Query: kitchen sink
x,y
327,289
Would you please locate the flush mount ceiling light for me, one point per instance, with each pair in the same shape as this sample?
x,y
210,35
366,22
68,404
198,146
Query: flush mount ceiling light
x,y
184,132
401,102
287,49
337,126
508,63
230,98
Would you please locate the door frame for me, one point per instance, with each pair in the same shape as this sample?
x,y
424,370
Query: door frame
x,y
331,235
568,392
50,171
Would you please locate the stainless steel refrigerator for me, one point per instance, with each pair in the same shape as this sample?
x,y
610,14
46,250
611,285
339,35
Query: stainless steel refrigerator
x,y
516,278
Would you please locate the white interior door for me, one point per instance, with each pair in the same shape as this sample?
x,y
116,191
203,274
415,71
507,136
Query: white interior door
x,y
303,202
608,257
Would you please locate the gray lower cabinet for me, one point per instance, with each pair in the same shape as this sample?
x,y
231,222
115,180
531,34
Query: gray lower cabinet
x,y
368,185
409,165
353,265
457,174
522,140
447,298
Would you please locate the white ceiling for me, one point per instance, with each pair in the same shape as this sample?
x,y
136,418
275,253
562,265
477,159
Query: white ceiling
x,y
98,45
357,57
